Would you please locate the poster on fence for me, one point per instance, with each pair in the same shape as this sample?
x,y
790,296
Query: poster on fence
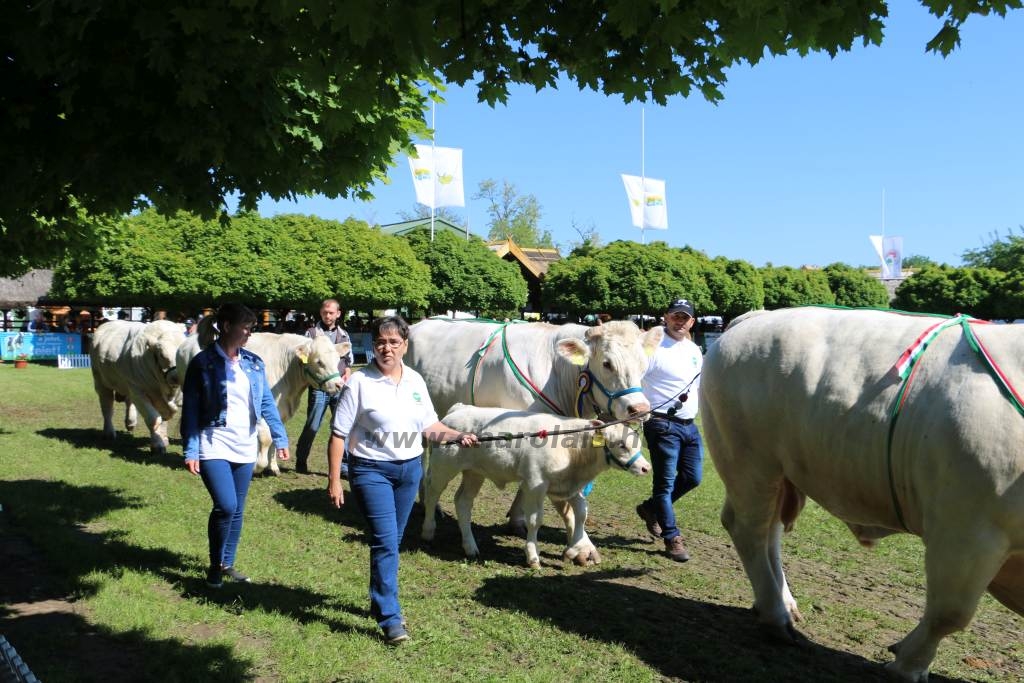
x,y
35,346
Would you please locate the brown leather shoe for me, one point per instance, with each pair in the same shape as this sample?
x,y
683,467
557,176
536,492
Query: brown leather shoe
x,y
646,514
676,550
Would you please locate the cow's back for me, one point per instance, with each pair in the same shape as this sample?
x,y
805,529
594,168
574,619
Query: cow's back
x,y
808,394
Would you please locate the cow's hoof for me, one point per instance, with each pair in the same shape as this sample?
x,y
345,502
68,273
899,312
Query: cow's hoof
x,y
158,450
516,527
893,672
273,472
533,564
781,634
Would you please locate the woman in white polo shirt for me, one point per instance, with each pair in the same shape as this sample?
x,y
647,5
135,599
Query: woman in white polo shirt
x,y
382,417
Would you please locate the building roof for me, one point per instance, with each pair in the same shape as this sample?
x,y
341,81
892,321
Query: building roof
x,y
405,227
26,290
535,259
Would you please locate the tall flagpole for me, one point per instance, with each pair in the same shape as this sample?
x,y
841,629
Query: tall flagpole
x,y
643,178
433,164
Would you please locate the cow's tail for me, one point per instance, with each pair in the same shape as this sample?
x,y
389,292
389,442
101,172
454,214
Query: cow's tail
x,y
206,331
791,502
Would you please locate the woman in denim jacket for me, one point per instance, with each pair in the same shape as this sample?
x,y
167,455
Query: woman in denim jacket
x,y
224,395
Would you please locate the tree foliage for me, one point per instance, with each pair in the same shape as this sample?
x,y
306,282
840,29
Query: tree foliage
x,y
580,283
467,276
442,212
1005,254
785,286
981,292
513,215
856,287
103,104
736,287
288,261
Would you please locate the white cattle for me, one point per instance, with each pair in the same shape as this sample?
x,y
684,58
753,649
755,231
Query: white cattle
x,y
802,402
293,363
134,362
569,370
552,456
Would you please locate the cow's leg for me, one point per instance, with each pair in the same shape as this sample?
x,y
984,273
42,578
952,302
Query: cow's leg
x,y
580,549
106,397
533,506
959,565
470,486
1008,586
131,416
434,482
516,517
267,454
155,423
750,515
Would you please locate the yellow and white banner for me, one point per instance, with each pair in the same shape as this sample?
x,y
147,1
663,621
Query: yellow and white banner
x,y
647,204
437,176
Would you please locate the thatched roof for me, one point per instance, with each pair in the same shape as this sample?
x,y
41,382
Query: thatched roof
x,y
26,290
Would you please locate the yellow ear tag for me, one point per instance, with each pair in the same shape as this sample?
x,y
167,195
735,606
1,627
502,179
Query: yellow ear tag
x,y
578,359
598,439
648,351
303,356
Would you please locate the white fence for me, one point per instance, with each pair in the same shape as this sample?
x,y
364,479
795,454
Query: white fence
x,y
68,361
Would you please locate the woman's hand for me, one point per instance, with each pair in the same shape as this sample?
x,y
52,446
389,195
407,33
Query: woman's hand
x,y
283,454
335,492
193,466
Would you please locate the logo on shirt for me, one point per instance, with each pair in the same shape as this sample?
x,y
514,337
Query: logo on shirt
x,y
416,397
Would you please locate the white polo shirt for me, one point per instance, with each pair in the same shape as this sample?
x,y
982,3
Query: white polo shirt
x,y
672,367
381,420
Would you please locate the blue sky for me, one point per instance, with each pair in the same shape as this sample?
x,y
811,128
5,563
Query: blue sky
x,y
789,169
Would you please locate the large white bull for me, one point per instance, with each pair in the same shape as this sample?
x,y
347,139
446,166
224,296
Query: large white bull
x,y
569,370
803,402
552,456
293,363
134,362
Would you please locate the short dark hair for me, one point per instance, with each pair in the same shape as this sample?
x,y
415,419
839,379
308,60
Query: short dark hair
x,y
387,323
234,313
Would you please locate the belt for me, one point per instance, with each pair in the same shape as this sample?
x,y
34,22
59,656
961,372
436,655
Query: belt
x,y
672,418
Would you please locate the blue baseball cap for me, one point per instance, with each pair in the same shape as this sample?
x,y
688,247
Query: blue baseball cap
x,y
681,306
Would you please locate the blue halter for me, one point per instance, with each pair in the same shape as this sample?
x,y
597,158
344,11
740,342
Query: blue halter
x,y
611,459
594,381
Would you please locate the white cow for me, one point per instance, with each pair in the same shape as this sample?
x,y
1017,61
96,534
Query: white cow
x,y
293,363
536,367
547,465
134,362
800,402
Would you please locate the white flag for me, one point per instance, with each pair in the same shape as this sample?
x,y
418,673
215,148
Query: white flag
x,y
437,176
890,253
647,204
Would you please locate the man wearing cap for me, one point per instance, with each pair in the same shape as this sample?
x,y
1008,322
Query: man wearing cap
x,y
670,385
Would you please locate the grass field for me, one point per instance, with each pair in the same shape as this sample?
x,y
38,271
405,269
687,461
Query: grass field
x,y
104,548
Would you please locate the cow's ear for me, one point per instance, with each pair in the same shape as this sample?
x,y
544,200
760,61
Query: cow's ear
x,y
573,350
652,339
302,353
593,333
343,348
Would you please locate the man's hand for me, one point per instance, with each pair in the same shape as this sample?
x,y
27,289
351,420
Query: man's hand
x,y
283,454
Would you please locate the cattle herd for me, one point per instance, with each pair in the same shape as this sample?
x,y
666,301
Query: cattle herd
x,y
808,402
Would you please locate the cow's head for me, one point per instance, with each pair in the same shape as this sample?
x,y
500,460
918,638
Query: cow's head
x,y
320,360
621,446
617,354
161,341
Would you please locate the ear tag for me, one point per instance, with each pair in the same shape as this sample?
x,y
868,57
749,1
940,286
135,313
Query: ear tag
x,y
598,439
578,359
303,356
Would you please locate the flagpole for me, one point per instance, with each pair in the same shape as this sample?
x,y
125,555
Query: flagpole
x,y
433,162
643,177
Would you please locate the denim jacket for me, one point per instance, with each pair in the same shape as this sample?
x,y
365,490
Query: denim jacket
x,y
205,398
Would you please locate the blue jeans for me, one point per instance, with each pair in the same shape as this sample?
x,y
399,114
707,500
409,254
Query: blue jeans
x,y
228,484
677,456
316,406
385,492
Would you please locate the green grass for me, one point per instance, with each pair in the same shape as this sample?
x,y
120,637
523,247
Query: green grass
x,y
122,535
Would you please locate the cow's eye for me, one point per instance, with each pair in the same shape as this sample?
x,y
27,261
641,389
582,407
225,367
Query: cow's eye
x,y
607,364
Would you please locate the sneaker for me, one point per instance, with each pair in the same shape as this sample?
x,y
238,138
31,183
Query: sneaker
x,y
235,575
396,634
676,550
213,577
646,514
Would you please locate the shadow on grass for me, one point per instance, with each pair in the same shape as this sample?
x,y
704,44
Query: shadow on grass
x,y
127,447
52,549
681,638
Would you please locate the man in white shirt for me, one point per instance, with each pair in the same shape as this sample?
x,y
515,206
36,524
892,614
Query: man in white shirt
x,y
673,441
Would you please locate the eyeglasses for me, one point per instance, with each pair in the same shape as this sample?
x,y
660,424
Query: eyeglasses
x,y
387,343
